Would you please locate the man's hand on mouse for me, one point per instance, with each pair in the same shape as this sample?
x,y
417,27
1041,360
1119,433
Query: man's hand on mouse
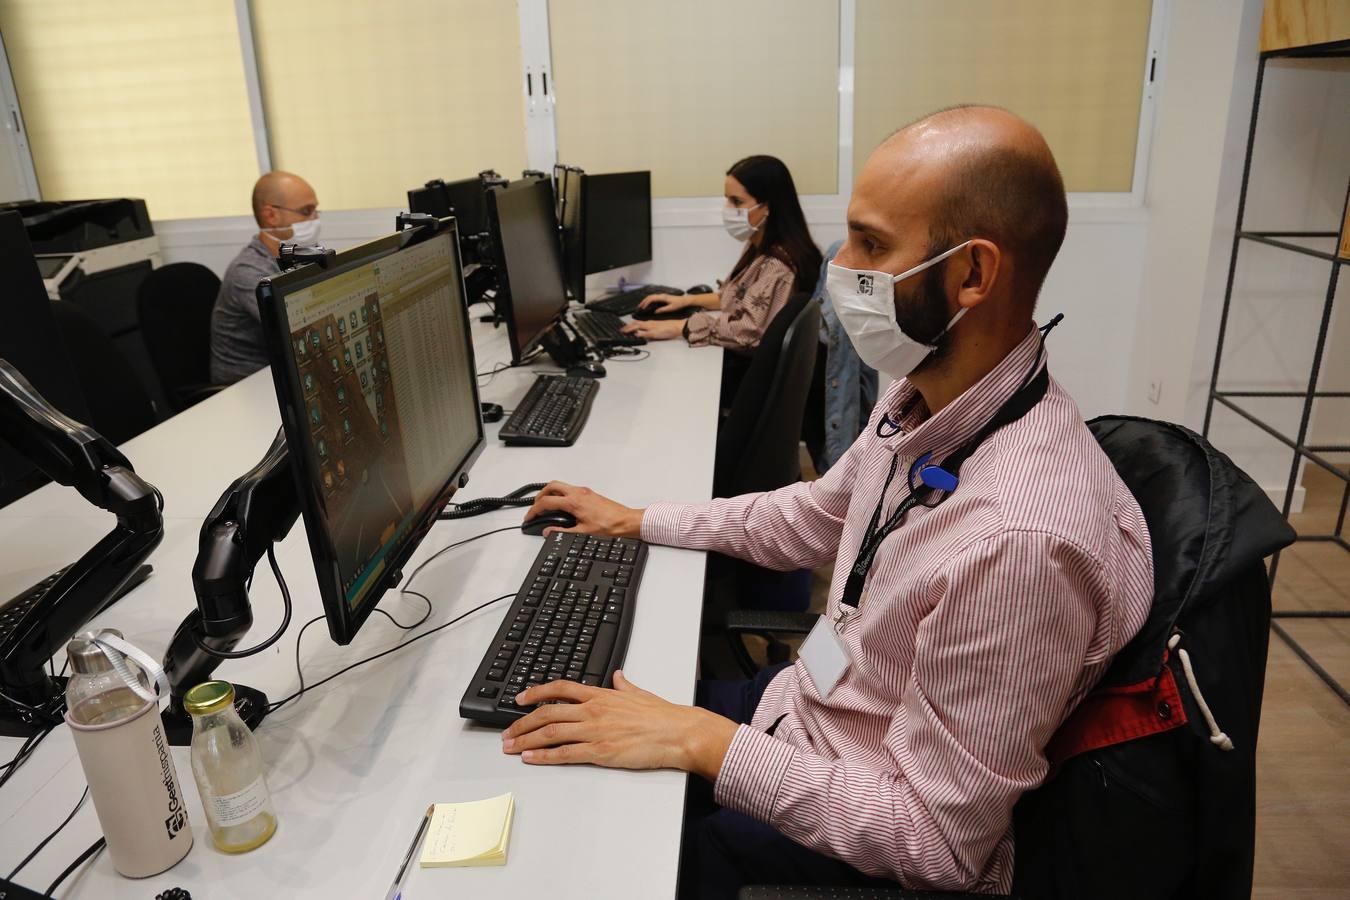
x,y
595,514
623,728
656,329
663,303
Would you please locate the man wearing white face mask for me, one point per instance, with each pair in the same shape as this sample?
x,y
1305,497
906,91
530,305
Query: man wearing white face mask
x,y
989,560
287,212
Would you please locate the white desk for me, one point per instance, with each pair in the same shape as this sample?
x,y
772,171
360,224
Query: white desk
x,y
353,764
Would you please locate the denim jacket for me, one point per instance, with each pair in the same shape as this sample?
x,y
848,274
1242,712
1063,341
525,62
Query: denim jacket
x,y
850,384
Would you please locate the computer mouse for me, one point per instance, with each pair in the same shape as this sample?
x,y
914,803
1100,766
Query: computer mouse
x,y
552,519
700,289
586,369
492,412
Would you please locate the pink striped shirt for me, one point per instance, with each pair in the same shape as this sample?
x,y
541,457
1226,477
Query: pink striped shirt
x,y
983,622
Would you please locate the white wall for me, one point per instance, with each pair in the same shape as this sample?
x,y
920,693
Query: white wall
x,y
1300,167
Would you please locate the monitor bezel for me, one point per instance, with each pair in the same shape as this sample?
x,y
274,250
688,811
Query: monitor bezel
x,y
573,240
506,303
344,621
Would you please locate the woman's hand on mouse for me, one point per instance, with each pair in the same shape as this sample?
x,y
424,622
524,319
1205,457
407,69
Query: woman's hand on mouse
x,y
595,514
663,303
656,329
623,728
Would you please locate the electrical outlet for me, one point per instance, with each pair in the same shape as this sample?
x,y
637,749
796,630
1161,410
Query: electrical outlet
x,y
1154,392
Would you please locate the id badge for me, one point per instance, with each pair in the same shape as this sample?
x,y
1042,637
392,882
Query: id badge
x,y
823,655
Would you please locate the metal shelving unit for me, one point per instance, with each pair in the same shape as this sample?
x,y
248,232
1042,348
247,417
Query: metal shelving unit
x,y
1231,400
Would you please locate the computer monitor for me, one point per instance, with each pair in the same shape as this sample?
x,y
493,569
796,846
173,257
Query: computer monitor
x,y
617,219
374,371
531,294
32,343
431,199
462,199
567,187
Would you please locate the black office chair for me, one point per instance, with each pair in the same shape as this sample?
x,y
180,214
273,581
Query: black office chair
x,y
757,450
174,308
1169,814
119,405
757,443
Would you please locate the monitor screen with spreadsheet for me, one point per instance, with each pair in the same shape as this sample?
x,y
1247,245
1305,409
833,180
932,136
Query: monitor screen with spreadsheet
x,y
374,369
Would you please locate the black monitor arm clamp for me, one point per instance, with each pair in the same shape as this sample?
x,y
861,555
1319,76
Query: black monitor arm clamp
x,y
291,255
77,456
406,220
256,511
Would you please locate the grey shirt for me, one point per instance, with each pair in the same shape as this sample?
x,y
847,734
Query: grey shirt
x,y
236,327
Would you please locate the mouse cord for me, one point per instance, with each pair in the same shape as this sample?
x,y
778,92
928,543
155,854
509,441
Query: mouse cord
x,y
517,498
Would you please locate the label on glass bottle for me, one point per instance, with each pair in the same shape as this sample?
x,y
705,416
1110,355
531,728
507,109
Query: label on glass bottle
x,y
239,807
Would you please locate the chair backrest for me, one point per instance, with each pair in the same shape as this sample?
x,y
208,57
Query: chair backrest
x,y
119,405
1145,801
174,308
757,445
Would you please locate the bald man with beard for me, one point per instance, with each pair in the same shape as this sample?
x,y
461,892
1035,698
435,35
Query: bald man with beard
x,y
961,631
287,211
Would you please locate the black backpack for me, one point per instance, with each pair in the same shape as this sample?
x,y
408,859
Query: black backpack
x,y
1143,799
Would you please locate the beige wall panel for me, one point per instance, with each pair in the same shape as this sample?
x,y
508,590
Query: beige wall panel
x,y
687,88
134,99
367,100
1074,68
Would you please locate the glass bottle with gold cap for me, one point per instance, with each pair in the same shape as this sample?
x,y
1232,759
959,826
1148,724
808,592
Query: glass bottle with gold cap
x,y
228,770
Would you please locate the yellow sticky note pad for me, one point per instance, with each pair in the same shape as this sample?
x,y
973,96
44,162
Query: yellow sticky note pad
x,y
469,834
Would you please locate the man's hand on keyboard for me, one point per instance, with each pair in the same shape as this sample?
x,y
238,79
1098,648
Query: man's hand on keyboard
x,y
623,728
656,329
595,514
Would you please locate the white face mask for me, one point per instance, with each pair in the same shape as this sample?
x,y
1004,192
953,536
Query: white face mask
x,y
864,301
736,220
304,233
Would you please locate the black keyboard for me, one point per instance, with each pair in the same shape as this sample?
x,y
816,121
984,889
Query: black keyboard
x,y
623,303
604,329
552,414
12,612
570,619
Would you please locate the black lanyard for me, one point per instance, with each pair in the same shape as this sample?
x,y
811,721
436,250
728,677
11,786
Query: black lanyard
x,y
934,483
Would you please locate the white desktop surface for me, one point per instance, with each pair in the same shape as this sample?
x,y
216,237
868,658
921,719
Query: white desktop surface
x,y
353,765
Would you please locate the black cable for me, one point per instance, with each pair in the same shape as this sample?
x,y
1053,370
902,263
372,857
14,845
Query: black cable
x,y
48,839
93,850
281,629
480,505
393,649
400,625
423,564
30,745
274,706
502,367
407,589
626,357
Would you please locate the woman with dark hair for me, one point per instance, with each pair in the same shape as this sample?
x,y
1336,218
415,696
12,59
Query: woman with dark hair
x,y
779,259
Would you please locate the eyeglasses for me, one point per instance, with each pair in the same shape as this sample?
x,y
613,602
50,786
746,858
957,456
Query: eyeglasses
x,y
306,211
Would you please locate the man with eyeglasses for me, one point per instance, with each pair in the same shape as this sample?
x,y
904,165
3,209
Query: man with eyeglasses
x,y
287,212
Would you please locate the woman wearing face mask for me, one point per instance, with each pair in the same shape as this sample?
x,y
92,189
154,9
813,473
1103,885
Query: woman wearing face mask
x,y
779,258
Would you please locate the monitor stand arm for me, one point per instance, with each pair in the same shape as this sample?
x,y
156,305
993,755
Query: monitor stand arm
x,y
256,511
74,455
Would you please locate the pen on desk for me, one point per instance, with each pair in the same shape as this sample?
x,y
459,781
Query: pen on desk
x,y
396,891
